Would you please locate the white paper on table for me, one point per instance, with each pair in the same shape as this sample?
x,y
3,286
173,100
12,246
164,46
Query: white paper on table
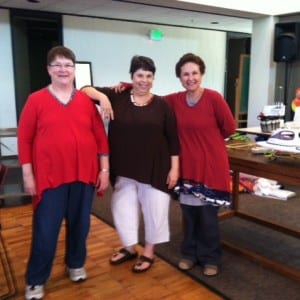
x,y
274,110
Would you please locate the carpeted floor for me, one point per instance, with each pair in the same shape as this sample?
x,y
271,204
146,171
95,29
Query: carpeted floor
x,y
240,278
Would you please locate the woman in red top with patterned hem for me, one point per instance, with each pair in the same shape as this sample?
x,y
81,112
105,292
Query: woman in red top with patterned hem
x,y
204,121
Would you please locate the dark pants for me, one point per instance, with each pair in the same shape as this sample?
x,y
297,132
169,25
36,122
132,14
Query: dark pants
x,y
71,202
201,238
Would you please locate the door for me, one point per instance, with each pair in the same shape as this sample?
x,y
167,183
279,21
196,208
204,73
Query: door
x,y
237,44
33,34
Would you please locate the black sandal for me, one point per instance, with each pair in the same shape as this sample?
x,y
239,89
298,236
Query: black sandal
x,y
126,256
140,261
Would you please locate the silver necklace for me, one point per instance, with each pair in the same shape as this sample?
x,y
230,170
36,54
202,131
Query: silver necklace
x,y
192,102
138,104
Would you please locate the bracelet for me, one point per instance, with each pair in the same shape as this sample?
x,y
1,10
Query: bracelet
x,y
105,170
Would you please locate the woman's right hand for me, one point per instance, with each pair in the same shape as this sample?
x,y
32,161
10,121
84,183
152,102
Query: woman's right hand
x,y
29,185
28,179
106,108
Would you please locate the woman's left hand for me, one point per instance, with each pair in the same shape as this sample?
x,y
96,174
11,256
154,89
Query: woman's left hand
x,y
172,178
102,182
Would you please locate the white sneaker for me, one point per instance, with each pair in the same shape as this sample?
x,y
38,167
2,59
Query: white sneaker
x,y
34,292
77,275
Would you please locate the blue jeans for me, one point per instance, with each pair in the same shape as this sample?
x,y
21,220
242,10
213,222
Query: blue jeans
x,y
72,202
201,238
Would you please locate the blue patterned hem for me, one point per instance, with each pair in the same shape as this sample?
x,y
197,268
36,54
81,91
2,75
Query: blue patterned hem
x,y
199,190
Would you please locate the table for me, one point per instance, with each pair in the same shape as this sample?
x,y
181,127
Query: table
x,y
285,172
253,130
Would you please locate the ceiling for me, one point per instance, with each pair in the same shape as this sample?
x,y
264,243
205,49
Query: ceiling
x,y
258,7
164,12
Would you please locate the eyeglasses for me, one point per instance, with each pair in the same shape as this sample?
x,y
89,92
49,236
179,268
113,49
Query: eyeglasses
x,y
59,66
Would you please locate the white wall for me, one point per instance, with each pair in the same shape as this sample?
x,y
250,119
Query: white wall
x,y
110,45
7,99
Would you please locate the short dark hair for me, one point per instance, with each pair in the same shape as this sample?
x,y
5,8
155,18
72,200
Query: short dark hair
x,y
189,57
141,62
60,51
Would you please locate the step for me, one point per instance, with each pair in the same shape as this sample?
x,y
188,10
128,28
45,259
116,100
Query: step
x,y
13,195
15,201
12,190
10,161
13,176
8,196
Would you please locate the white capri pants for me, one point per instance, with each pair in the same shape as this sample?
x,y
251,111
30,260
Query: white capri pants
x,y
128,199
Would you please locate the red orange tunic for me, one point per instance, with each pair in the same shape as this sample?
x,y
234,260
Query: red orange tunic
x,y
202,130
62,142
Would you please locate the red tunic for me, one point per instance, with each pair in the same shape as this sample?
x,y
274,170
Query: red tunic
x,y
61,141
202,130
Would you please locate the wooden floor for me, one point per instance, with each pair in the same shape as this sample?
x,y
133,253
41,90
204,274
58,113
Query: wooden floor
x,y
104,281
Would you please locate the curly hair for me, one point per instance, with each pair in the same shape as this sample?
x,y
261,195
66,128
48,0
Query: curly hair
x,y
189,57
141,62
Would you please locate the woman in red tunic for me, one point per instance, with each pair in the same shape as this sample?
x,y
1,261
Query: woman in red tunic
x,y
204,121
64,156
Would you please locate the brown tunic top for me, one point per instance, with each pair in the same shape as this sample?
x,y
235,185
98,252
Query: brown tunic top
x,y
142,139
